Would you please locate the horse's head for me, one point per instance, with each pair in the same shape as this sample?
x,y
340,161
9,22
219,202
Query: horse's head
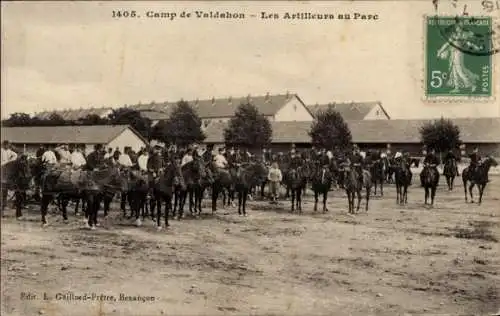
x,y
490,161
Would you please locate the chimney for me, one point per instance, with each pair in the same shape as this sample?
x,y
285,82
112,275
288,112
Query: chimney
x,y
196,102
267,98
287,95
230,100
249,99
213,101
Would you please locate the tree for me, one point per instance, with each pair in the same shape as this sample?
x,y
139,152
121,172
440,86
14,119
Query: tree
x,y
441,135
126,116
183,127
248,128
92,119
53,120
18,119
329,130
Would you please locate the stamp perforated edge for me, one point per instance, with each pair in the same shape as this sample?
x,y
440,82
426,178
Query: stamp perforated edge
x,y
455,99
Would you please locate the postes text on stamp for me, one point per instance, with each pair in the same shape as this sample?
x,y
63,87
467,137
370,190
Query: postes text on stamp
x,y
458,57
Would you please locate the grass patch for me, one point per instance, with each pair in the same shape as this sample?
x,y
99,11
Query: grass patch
x,y
479,230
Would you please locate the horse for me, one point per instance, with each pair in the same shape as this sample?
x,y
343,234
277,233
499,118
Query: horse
x,y
321,184
353,187
450,172
223,183
250,175
163,190
403,177
430,181
137,191
391,166
478,177
377,170
65,184
195,177
295,181
16,176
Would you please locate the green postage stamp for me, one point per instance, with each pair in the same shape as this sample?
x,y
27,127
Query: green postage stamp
x,y
458,57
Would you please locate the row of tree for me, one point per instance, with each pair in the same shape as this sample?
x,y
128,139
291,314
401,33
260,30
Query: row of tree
x,y
248,128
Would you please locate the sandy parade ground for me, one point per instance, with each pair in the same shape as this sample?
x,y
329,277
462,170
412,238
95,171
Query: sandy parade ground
x,y
393,260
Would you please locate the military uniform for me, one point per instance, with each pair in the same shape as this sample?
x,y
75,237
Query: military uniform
x,y
430,159
95,160
474,160
357,162
450,156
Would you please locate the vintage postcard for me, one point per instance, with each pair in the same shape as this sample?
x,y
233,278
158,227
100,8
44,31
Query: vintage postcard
x,y
250,157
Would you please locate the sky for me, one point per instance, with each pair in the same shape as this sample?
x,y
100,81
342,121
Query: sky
x,y
68,55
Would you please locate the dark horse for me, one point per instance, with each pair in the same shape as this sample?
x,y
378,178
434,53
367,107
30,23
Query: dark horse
x,y
321,184
296,181
163,188
478,177
403,177
250,176
354,184
89,185
430,181
16,176
136,193
223,183
450,172
195,177
378,170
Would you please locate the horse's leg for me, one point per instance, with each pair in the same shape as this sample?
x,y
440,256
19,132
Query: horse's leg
x,y
481,190
244,206
240,200
433,194
123,201
292,192
316,193
64,207
299,199
325,197
156,197
77,205
382,186
367,197
168,205
358,194
471,186
4,198
44,205
452,182
18,202
262,186
215,195
375,187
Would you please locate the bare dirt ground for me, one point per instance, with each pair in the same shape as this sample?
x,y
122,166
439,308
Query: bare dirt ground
x,y
394,260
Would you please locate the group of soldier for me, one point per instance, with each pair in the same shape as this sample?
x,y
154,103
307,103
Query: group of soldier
x,y
153,159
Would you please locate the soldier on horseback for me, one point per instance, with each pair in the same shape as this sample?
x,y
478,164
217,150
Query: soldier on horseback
x,y
95,159
450,157
430,161
356,160
475,158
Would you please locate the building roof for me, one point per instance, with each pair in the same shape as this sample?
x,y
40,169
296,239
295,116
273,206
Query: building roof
x,y
267,105
474,130
350,111
75,114
93,134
